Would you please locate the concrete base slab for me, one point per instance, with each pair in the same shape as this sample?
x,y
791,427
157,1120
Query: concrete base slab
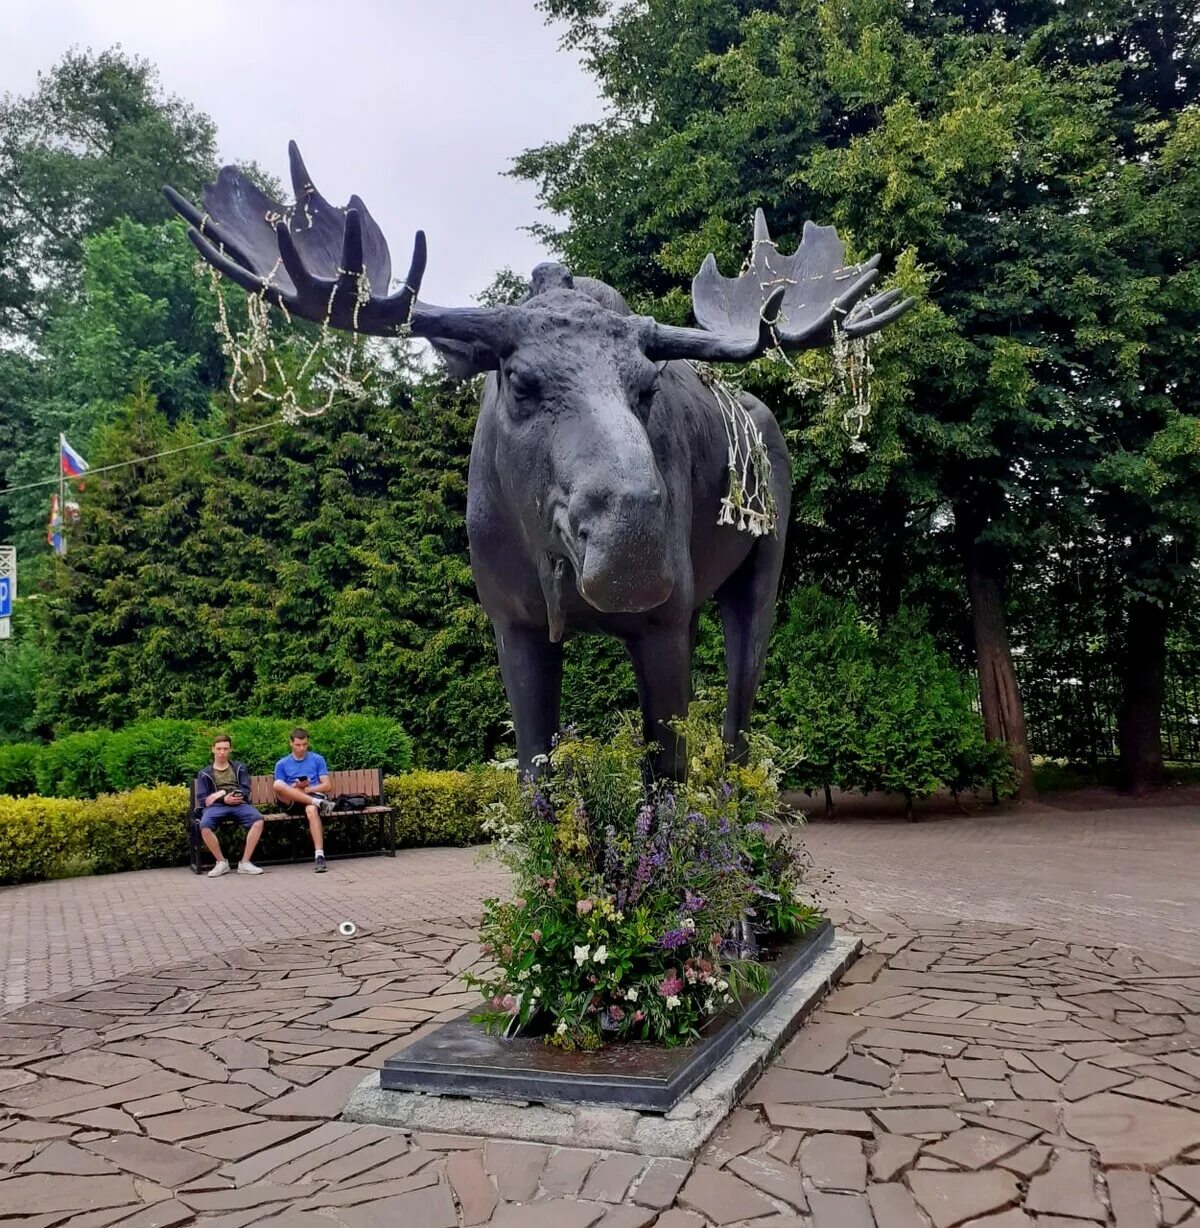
x,y
680,1132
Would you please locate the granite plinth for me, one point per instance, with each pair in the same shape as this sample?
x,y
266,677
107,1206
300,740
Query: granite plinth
x,y
460,1059
679,1132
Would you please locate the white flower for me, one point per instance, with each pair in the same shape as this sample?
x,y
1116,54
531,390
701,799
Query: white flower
x,y
631,994
728,999
581,955
709,1005
672,1002
537,991
688,924
523,975
722,986
536,968
601,954
561,1030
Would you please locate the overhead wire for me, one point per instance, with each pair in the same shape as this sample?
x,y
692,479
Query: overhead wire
x,y
91,471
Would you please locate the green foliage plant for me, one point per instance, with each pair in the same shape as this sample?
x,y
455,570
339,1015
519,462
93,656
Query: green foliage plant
x,y
18,768
446,807
148,753
627,896
73,766
350,741
44,837
874,710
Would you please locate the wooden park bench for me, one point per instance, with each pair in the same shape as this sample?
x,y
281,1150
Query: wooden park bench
x,y
367,783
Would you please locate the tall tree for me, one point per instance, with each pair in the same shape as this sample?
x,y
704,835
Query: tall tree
x,y
93,142
971,141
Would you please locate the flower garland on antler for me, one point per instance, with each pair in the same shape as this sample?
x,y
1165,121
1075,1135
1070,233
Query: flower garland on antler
x,y
254,356
768,290
851,356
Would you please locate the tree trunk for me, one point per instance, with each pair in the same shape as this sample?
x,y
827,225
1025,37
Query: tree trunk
x,y
1000,696
1144,684
893,559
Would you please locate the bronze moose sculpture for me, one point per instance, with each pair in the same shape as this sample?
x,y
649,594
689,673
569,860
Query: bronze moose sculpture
x,y
614,485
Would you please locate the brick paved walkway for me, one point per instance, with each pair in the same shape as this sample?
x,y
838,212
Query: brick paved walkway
x,y
965,1074
1109,877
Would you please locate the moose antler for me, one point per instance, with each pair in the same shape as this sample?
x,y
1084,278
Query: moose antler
x,y
319,261
791,302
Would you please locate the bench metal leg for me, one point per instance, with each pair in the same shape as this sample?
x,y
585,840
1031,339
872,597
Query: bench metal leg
x,y
194,846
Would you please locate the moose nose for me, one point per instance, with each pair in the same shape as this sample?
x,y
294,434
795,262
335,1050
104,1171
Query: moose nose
x,y
626,502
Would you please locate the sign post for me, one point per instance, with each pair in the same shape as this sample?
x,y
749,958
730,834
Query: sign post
x,y
8,588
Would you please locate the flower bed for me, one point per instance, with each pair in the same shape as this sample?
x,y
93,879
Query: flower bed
x,y
637,906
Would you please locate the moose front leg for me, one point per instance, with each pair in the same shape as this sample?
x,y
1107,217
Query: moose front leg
x,y
662,663
531,667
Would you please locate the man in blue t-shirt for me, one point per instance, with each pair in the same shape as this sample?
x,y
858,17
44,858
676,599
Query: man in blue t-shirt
x,y
302,783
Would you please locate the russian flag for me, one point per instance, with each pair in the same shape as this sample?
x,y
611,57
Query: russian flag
x,y
72,464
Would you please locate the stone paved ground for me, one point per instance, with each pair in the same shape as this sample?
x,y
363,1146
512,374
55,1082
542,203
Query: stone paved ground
x,y
963,1074
1106,877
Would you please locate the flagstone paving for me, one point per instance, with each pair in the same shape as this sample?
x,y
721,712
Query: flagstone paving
x,y
1102,876
962,1074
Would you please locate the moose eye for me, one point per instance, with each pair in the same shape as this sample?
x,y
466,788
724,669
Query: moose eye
x,y
523,383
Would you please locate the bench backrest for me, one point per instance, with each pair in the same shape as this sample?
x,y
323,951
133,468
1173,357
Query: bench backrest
x,y
367,781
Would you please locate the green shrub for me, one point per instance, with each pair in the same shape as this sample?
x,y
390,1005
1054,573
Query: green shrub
x,y
351,742
73,766
59,837
150,753
868,710
18,768
37,833
445,807
137,830
258,741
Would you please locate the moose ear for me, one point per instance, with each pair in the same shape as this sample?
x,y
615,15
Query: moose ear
x,y
465,359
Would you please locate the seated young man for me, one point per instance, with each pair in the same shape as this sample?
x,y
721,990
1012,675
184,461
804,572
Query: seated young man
x,y
224,788
302,783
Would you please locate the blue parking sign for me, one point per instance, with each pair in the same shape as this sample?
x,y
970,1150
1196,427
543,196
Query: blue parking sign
x,y
6,591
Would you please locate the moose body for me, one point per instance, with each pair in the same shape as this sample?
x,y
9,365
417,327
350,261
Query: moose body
x,y
601,457
626,461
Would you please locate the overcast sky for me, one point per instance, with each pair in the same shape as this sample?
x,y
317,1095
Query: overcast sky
x,y
416,105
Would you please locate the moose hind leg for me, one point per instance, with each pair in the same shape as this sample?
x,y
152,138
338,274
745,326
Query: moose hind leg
x,y
531,667
747,605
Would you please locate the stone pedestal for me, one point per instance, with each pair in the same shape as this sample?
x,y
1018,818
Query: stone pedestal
x,y
640,1098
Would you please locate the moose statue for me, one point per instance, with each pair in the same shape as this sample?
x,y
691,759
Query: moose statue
x,y
615,485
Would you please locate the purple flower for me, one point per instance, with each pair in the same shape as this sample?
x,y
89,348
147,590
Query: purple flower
x,y
726,789
644,819
692,902
675,938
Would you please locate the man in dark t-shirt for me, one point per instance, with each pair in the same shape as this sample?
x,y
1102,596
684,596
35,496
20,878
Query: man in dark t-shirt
x,y
224,789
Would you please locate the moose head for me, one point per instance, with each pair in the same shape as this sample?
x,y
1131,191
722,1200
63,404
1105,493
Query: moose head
x,y
577,373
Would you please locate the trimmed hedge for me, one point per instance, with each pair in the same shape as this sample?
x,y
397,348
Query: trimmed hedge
x,y
50,837
172,751
445,807
58,837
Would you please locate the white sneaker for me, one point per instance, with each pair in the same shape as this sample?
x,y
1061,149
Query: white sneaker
x,y
222,867
248,867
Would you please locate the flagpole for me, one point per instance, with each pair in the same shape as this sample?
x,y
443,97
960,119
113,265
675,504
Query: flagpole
x,y
62,494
